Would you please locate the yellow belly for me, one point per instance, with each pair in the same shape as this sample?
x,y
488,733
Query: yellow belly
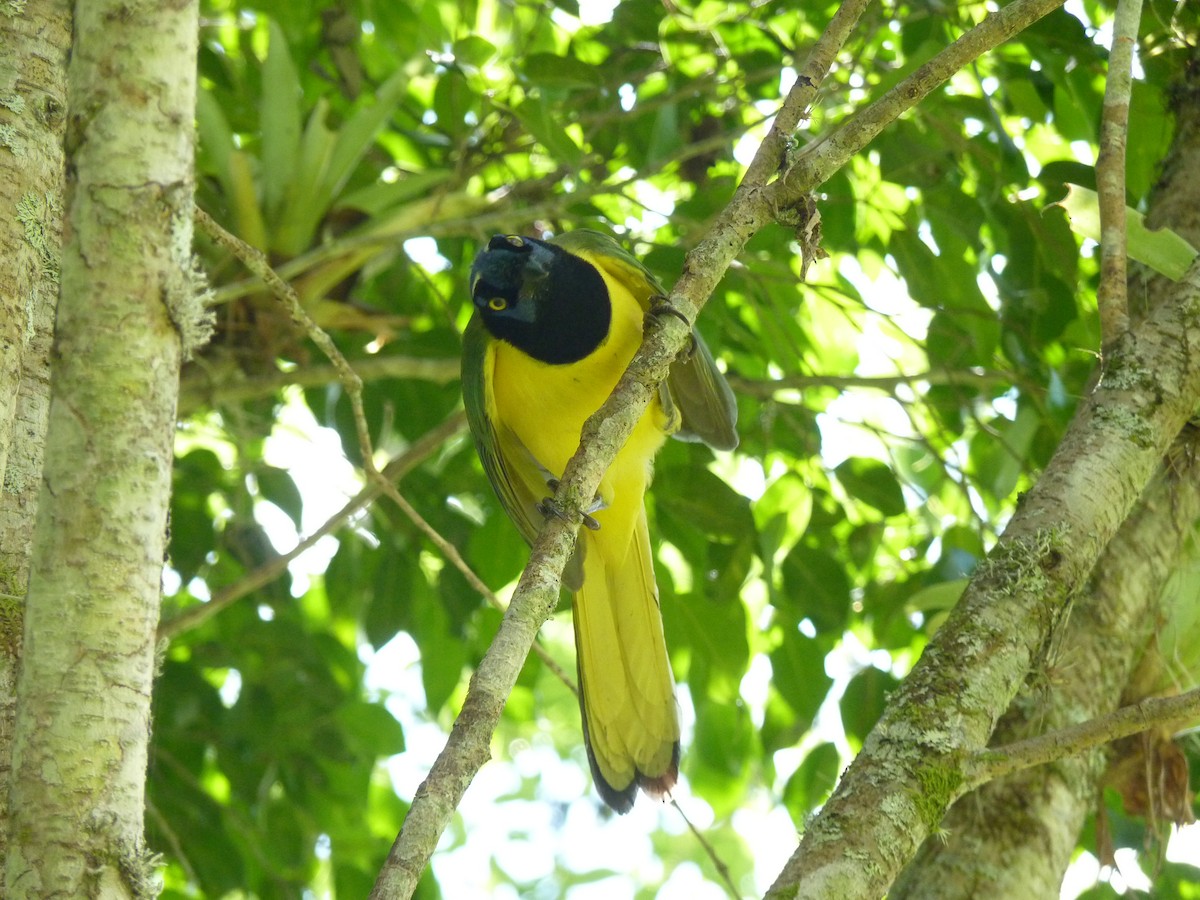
x,y
547,405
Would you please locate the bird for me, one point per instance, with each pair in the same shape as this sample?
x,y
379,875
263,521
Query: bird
x,y
554,325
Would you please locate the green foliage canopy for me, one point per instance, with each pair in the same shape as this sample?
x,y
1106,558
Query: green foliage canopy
x,y
894,401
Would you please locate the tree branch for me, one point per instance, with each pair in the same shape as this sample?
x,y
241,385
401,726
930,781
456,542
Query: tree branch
x,y
911,766
820,159
202,389
1000,761
468,746
127,301
1080,678
254,260
1111,298
269,571
450,552
888,383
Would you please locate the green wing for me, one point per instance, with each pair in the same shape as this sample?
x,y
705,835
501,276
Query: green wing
x,y
517,477
695,385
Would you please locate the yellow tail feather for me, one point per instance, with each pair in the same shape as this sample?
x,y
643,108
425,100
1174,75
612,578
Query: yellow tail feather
x,y
627,691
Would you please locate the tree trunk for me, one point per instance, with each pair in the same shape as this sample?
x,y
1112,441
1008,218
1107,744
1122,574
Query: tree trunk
x,y
33,103
1014,838
83,694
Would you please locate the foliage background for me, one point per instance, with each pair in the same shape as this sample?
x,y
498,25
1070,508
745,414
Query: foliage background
x,y
894,401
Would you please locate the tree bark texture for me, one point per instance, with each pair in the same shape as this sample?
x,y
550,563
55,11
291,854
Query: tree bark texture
x,y
1014,838
897,791
83,717
33,103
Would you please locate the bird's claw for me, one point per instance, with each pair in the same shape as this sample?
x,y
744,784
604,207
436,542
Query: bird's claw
x,y
551,507
662,306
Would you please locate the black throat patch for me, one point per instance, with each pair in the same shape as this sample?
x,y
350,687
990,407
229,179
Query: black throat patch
x,y
570,315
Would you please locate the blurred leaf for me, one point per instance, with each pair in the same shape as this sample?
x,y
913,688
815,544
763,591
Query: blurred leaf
x,y
277,486
279,115
816,587
371,729
700,498
864,700
549,70
798,669
1163,250
812,782
873,483
1001,454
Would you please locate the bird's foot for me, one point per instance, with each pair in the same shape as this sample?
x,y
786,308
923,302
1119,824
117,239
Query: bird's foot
x,y
662,306
551,507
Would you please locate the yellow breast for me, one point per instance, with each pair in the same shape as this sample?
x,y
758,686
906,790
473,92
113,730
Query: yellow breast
x,y
547,405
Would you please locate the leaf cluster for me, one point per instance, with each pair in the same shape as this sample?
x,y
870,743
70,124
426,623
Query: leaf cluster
x,y
895,397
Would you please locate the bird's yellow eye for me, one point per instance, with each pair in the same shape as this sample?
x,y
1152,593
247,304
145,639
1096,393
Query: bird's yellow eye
x,y
515,239
497,304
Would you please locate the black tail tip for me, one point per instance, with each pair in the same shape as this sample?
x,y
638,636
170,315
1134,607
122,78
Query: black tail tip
x,y
620,800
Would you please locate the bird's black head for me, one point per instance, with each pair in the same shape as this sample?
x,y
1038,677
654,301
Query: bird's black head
x,y
543,300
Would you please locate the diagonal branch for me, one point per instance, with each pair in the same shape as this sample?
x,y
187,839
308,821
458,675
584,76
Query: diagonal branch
x,y
824,157
912,765
467,748
254,259
201,389
269,571
1000,761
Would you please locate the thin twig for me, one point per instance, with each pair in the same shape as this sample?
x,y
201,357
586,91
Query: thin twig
x,y
988,765
451,553
722,869
771,155
269,571
254,260
1112,298
820,159
768,387
201,389
468,746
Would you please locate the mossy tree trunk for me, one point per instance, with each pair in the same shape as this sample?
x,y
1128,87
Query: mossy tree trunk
x,y
1016,836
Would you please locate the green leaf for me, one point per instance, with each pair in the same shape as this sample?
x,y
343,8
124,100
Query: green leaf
x,y
798,674
665,137
474,50
1164,251
873,483
307,197
812,782
545,124
280,120
370,729
716,759
277,486
381,196
1001,453
816,586
714,631
864,701
782,513
358,134
936,598
453,99
443,655
696,496
550,70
